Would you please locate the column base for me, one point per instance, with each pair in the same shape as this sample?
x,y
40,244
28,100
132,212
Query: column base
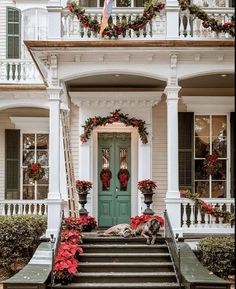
x,y
173,208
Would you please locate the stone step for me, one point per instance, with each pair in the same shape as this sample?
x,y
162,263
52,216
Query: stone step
x,y
125,257
93,238
129,248
126,267
140,285
127,277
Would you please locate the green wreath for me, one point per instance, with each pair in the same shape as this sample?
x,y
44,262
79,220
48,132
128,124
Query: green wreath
x,y
35,171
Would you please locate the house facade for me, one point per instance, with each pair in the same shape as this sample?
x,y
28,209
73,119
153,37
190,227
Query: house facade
x,y
174,75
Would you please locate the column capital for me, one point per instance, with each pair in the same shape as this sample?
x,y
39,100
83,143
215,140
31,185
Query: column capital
x,y
172,92
54,93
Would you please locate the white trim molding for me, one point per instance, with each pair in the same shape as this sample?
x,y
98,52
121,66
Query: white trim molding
x,y
31,124
209,104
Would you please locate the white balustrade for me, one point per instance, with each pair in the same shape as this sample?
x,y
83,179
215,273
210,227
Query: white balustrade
x,y
23,207
19,71
195,221
191,27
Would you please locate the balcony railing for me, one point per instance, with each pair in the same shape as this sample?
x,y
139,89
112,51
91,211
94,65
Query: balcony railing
x,y
19,71
189,27
194,221
23,207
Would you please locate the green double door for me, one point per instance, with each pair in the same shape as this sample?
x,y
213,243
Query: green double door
x,y
114,178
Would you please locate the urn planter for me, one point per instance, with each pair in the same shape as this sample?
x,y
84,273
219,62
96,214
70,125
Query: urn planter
x,y
83,201
148,201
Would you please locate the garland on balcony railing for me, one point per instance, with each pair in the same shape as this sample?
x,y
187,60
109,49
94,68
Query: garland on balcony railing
x,y
208,22
216,212
151,9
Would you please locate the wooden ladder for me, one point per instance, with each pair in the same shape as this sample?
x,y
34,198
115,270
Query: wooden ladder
x,y
72,193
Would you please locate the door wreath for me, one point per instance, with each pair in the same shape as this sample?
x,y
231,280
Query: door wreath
x,y
105,177
35,171
123,176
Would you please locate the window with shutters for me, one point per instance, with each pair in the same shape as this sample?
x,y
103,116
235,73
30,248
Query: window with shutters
x,y
34,150
13,32
211,137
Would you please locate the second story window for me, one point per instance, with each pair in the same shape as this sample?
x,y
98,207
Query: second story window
x,y
116,3
13,32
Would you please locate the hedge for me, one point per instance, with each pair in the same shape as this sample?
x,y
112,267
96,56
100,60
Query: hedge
x,y
19,238
218,255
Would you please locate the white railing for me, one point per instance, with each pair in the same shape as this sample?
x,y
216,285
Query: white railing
x,y
191,27
23,207
72,28
19,71
194,221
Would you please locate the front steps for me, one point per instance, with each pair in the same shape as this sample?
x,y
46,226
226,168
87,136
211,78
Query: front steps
x,y
116,262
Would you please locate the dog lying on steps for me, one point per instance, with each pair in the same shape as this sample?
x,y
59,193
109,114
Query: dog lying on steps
x,y
148,230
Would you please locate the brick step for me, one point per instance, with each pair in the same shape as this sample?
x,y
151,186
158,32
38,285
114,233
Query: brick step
x,y
125,257
140,285
125,277
126,267
129,248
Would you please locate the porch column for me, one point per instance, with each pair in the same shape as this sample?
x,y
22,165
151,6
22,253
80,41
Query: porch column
x,y
172,19
172,196
54,201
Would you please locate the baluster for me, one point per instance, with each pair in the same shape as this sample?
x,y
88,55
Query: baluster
x,y
17,71
35,209
213,218
199,217
8,210
148,30
14,209
2,209
10,71
40,209
192,219
154,27
23,72
188,27
113,19
45,209
201,31
196,28
185,225
24,209
181,28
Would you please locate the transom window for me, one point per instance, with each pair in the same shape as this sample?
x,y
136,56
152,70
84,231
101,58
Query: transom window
x,y
34,150
210,138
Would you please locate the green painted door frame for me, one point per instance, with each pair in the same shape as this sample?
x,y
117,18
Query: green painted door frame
x,y
114,204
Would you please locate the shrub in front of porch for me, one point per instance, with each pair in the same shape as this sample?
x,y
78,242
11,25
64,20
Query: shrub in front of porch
x,y
218,255
19,238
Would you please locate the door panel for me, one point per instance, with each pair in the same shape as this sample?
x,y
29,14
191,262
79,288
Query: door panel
x,y
114,201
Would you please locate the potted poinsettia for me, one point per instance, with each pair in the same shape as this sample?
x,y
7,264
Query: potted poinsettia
x,y
83,188
86,223
147,188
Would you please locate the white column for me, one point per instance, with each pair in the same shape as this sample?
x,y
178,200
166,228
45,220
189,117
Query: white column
x,y
172,19
172,195
54,19
54,201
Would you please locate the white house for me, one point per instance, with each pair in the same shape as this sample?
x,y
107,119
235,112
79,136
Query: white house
x,y
174,74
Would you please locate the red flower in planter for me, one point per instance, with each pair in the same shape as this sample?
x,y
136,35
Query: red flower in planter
x,y
83,186
71,235
147,185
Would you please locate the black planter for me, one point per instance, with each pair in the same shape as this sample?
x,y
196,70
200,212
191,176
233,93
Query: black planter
x,y
148,201
65,281
83,201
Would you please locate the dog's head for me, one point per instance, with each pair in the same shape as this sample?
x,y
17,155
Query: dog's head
x,y
153,226
128,232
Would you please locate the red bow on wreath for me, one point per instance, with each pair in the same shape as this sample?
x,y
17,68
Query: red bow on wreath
x,y
105,177
123,177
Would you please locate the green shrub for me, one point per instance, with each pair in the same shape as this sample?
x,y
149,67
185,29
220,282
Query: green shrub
x,y
217,254
19,238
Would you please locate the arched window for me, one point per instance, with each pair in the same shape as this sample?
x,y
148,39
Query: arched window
x,y
13,32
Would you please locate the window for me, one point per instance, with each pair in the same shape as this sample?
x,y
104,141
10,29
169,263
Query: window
x,y
34,149
13,32
116,3
210,138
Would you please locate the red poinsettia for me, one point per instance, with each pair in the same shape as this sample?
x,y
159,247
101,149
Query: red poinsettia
x,y
137,220
83,186
147,185
71,235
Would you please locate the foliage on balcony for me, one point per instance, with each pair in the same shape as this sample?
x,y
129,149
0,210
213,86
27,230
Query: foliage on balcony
x,y
216,212
208,22
151,9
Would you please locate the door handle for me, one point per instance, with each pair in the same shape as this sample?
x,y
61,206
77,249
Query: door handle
x,y
117,189
116,196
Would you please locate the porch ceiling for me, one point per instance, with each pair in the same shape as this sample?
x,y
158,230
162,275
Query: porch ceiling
x,y
115,81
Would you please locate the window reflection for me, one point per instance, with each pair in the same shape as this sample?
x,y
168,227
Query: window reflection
x,y
105,158
123,159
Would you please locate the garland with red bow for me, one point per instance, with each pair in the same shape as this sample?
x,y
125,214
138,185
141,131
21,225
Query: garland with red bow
x,y
105,177
35,171
123,176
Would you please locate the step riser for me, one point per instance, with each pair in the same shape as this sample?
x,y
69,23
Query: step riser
x,y
128,250
81,286
114,279
124,259
159,241
113,268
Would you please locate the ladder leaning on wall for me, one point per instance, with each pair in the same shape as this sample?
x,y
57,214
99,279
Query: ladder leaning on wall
x,y
72,193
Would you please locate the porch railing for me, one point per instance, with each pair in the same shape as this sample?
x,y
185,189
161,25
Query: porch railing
x,y
23,207
194,221
19,71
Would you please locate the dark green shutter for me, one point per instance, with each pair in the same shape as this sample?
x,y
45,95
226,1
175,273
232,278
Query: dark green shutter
x,y
12,164
13,32
232,152
186,150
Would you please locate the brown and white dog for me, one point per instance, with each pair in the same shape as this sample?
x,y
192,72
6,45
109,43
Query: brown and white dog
x,y
148,230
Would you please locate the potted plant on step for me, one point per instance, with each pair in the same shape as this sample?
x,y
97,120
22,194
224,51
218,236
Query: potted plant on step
x,y
147,187
83,188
